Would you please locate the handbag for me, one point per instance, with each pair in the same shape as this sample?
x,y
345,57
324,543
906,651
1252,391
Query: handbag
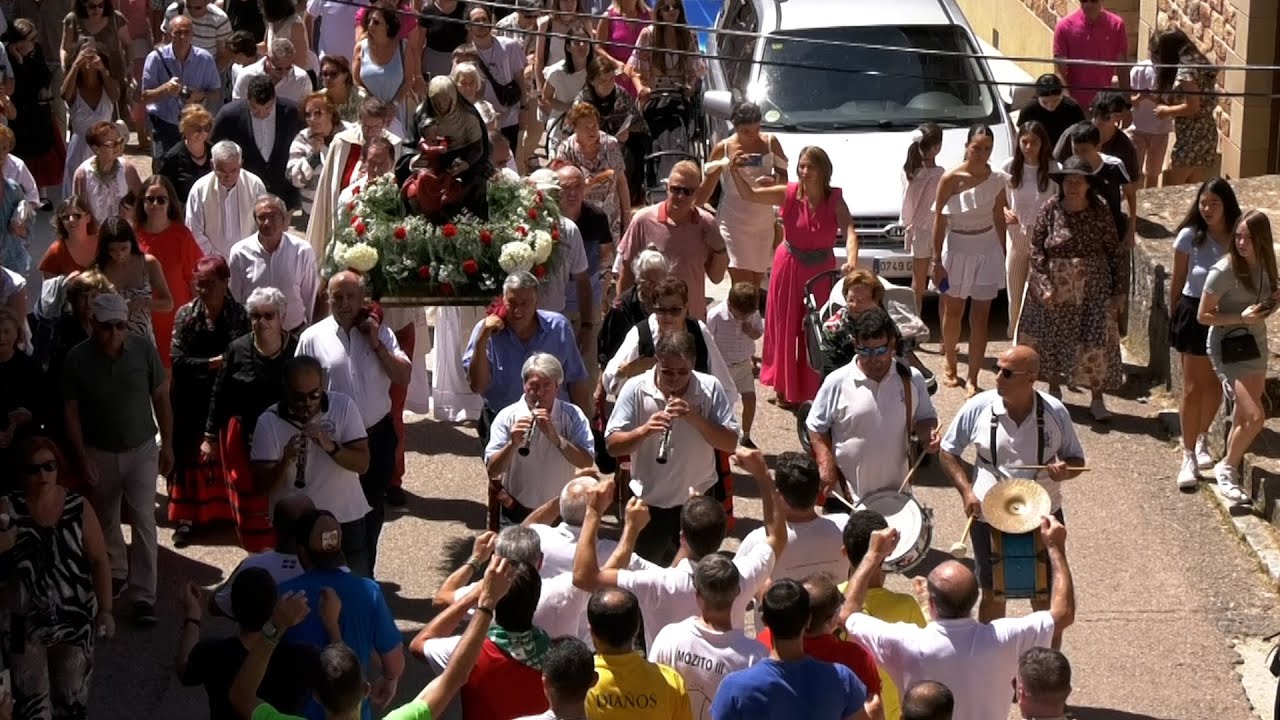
x,y
507,94
1240,345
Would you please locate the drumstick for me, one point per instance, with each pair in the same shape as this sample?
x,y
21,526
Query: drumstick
x,y
1077,468
907,480
843,501
959,549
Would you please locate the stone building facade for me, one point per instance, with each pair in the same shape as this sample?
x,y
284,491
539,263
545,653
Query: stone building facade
x,y
1229,32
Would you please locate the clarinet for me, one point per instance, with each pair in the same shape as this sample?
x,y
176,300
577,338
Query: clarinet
x,y
528,437
664,447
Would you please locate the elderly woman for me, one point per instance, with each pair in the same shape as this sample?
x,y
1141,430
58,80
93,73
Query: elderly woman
x,y
163,235
15,227
310,146
535,444
105,178
635,303
202,333
23,394
472,87
1076,287
456,120
599,156
57,599
137,276
1240,293
620,118
188,161
90,93
250,380
75,244
336,82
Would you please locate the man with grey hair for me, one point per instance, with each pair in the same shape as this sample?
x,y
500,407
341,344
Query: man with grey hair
x,y
174,75
500,343
362,360
560,542
292,82
535,443
706,647
1043,683
220,204
272,257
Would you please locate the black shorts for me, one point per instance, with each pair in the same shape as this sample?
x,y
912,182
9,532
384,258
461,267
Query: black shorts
x,y
980,536
1186,334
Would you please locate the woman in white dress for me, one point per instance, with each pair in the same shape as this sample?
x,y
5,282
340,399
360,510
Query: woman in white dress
x,y
562,83
105,178
969,216
88,90
1029,187
747,227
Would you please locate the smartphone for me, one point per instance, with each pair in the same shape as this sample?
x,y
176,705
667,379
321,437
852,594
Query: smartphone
x,y
6,683
1268,306
753,160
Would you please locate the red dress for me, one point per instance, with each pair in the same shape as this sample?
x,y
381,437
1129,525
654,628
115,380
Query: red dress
x,y
176,250
808,250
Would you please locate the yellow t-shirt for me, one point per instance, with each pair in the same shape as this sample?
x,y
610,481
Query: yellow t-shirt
x,y
633,688
890,607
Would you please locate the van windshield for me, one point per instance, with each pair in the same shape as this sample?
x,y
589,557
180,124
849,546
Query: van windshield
x,y
832,87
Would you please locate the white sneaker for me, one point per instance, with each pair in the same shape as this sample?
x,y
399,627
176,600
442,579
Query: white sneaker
x,y
1229,484
1188,474
1204,459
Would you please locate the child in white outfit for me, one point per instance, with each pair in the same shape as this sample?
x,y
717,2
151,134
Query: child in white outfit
x,y
735,325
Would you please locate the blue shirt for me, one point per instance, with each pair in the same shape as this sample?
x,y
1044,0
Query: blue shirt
x,y
507,354
1200,259
774,690
367,623
198,72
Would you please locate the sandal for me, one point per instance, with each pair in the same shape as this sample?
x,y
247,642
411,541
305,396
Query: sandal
x,y
972,390
950,380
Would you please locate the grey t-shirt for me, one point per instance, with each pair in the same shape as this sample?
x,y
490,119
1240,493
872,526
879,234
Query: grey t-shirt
x,y
114,394
1233,297
1201,259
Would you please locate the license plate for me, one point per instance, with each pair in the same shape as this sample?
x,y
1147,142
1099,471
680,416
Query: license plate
x,y
892,266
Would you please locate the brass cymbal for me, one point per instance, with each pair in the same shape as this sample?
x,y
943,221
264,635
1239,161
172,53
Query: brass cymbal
x,y
1015,506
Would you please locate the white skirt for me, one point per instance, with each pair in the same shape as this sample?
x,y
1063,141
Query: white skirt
x,y
974,265
451,393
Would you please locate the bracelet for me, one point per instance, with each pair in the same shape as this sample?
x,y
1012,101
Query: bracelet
x,y
486,610
476,564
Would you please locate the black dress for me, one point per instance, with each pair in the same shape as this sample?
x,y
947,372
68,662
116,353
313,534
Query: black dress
x,y
197,490
182,169
37,137
475,179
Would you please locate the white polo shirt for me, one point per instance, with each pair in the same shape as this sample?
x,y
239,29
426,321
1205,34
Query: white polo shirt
x,y
538,477
559,544
703,657
691,462
812,547
555,286
630,350
351,365
1016,444
977,661
666,595
291,269
867,423
331,486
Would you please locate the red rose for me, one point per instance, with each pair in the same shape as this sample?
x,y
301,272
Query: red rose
x,y
355,220
540,271
351,206
360,229
539,197
522,230
355,190
486,237
446,289
555,233
470,267
449,230
401,233
424,272
533,213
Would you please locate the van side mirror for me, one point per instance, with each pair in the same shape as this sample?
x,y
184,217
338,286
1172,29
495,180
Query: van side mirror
x,y
718,103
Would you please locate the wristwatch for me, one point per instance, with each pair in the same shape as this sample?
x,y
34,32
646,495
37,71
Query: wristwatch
x,y
270,632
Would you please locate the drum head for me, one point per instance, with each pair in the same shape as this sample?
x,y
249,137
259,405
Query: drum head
x,y
903,514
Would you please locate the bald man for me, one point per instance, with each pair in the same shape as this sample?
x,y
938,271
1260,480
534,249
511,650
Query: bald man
x,y
928,700
976,661
362,360
687,235
1010,426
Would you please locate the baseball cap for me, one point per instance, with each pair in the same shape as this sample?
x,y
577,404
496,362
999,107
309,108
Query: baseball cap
x,y
1048,84
321,534
110,307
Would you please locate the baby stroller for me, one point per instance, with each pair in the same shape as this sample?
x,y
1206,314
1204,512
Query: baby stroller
x,y
679,133
899,302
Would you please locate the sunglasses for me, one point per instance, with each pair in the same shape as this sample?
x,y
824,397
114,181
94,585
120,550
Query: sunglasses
x,y
680,190
312,396
262,316
672,311
118,326
202,129
326,74
157,200
865,351
37,468
72,217
1009,374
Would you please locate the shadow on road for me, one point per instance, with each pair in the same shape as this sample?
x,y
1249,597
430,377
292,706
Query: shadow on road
x,y
428,437
470,513
1094,713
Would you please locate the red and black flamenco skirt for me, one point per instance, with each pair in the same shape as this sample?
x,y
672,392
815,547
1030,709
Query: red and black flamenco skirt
x,y
198,492
250,508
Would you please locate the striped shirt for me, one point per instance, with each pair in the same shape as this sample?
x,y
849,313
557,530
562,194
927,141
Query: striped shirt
x,y
207,31
734,345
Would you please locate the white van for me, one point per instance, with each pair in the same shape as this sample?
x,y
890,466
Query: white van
x,y
860,103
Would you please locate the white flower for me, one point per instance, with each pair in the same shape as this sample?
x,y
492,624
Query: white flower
x,y
516,256
361,257
542,245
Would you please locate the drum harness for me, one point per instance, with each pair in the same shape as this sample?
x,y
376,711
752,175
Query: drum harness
x,y
995,426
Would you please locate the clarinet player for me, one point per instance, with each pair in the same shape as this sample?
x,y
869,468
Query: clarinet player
x,y
691,410
535,445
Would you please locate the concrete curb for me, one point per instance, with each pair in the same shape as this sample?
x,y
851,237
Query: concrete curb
x,y
1261,537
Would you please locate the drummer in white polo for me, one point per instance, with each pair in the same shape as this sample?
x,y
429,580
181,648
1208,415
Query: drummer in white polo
x,y
1026,428
858,423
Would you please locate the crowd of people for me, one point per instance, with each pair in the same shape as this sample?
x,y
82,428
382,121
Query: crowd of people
x,y
185,331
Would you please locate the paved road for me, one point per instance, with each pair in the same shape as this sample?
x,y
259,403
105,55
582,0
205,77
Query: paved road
x,y
1163,588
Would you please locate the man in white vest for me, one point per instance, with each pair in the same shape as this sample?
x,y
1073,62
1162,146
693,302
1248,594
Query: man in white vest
x,y
220,206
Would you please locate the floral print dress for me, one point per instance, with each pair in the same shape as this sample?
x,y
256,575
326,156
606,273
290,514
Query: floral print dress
x,y
1077,263
1196,137
602,194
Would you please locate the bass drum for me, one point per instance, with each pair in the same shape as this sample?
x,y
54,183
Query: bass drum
x,y
913,521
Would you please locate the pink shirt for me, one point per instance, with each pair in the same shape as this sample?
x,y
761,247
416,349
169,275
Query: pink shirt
x,y
1076,38
687,246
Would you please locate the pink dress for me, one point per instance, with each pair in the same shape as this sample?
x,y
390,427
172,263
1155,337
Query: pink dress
x,y
624,32
808,251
